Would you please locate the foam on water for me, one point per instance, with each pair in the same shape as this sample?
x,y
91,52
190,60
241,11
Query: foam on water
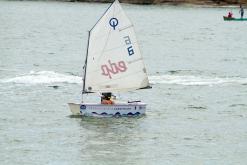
x,y
50,77
43,77
195,80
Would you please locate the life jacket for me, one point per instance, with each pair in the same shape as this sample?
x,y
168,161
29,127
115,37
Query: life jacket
x,y
107,102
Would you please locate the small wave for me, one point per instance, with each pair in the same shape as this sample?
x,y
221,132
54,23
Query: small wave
x,y
195,80
197,107
43,77
238,105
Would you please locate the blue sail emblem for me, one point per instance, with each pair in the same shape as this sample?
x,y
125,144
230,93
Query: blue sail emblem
x,y
113,23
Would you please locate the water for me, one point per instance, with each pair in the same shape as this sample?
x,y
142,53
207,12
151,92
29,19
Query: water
x,y
197,107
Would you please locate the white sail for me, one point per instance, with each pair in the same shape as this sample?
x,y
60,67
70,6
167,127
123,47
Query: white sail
x,y
114,61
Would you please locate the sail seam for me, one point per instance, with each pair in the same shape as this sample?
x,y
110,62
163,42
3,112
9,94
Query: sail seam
x,y
124,28
118,47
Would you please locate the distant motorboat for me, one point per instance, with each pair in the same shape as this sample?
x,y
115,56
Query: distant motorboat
x,y
233,19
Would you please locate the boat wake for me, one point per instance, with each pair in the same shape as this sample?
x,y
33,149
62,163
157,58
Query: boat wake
x,y
43,77
51,77
196,80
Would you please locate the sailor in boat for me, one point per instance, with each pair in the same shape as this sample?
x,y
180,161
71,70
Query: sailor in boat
x,y
241,11
106,98
229,14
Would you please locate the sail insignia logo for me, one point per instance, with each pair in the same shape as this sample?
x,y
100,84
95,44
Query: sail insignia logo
x,y
113,68
113,23
82,108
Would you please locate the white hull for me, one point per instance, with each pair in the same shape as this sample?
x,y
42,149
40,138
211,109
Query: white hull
x,y
91,109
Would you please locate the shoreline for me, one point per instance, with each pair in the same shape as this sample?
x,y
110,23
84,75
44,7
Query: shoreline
x,y
172,2
210,3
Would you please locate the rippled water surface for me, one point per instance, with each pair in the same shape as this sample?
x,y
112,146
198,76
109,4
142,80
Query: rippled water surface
x,y
197,109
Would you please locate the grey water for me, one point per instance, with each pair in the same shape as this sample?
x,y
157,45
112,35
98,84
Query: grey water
x,y
197,108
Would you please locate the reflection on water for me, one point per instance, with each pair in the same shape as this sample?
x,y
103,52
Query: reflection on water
x,y
112,139
196,111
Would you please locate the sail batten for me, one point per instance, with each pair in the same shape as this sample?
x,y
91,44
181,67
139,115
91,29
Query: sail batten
x,y
114,60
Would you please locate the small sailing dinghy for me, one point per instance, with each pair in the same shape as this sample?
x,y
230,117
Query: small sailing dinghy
x,y
113,64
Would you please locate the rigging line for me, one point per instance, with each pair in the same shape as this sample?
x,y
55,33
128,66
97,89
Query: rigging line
x,y
122,89
102,16
85,65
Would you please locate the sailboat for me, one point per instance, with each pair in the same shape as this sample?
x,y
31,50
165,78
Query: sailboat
x,y
113,64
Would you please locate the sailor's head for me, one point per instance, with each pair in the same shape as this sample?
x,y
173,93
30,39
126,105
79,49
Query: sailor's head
x,y
107,94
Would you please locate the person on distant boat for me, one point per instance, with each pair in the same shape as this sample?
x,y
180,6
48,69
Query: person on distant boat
x,y
229,14
241,11
106,98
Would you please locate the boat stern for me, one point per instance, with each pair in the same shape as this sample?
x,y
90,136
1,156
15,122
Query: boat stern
x,y
74,108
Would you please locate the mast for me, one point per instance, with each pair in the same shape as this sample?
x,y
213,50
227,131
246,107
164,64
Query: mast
x,y
85,67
